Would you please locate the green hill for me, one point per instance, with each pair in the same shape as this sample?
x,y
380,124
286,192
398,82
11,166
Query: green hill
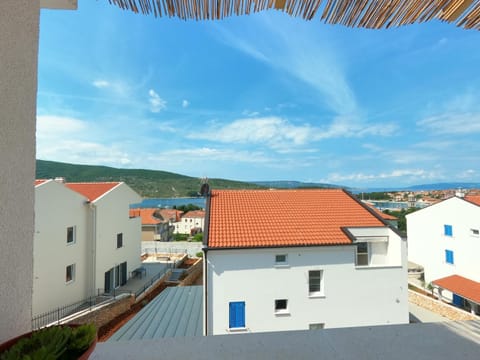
x,y
148,183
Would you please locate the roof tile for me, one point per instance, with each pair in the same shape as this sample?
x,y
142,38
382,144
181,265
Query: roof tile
x,y
92,191
273,218
459,285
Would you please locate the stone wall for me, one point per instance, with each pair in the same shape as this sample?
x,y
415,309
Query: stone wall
x,y
105,314
448,311
193,273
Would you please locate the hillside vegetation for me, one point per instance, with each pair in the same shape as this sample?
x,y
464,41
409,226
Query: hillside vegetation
x,y
148,183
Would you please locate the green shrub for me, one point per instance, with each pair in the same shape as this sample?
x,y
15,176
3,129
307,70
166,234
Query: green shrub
x,y
55,342
198,237
199,254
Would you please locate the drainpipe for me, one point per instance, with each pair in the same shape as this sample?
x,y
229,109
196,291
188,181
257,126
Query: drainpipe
x,y
93,213
205,277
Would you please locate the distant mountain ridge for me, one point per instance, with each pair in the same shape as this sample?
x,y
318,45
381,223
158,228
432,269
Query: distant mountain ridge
x,y
147,183
156,183
290,184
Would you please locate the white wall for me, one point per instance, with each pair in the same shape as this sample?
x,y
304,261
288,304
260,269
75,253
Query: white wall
x,y
188,223
57,208
19,27
352,296
112,218
427,242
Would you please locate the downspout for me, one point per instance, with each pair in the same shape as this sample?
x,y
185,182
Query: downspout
x,y
93,209
205,251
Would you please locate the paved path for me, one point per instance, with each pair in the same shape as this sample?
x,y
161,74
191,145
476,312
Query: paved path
x,y
422,315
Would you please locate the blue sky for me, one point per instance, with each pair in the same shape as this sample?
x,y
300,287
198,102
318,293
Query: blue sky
x,y
261,97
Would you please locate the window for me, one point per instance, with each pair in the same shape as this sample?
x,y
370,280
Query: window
x,y
281,259
236,315
70,273
448,230
449,256
317,326
315,286
362,254
119,240
281,306
71,235
474,232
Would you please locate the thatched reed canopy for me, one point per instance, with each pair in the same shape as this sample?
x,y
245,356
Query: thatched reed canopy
x,y
373,14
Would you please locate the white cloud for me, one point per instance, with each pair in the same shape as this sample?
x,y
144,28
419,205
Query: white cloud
x,y
279,133
250,113
406,175
185,103
157,104
320,66
459,115
101,84
50,126
192,155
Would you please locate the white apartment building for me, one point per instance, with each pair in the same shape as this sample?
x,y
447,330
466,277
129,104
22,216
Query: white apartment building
x,y
445,239
315,259
191,221
84,241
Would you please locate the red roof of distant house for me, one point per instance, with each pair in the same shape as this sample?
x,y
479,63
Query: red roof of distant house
x,y
147,216
459,285
195,214
473,198
40,181
275,218
94,190
170,214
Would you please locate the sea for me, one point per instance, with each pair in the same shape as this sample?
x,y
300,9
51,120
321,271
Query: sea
x,y
169,203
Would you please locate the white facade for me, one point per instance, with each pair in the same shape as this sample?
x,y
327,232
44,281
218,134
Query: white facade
x,y
76,242
110,217
58,209
188,223
349,295
428,242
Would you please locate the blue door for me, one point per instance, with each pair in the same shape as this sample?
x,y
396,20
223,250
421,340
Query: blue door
x,y
457,300
237,314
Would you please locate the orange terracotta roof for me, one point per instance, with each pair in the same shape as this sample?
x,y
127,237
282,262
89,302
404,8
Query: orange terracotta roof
x,y
275,218
40,181
459,285
383,215
147,216
473,199
170,214
94,190
195,214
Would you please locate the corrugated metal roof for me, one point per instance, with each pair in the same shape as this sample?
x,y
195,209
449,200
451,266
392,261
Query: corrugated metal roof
x,y
175,312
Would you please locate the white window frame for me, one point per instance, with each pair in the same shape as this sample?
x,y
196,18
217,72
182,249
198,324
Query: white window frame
x,y
72,273
320,292
367,253
74,235
281,310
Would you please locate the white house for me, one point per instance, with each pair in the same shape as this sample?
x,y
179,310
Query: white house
x,y
280,260
157,224
192,221
84,241
445,239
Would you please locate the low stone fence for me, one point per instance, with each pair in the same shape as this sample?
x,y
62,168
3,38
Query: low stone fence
x,y
104,314
193,273
439,307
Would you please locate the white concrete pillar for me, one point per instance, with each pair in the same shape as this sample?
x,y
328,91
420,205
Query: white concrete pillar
x,y
19,29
